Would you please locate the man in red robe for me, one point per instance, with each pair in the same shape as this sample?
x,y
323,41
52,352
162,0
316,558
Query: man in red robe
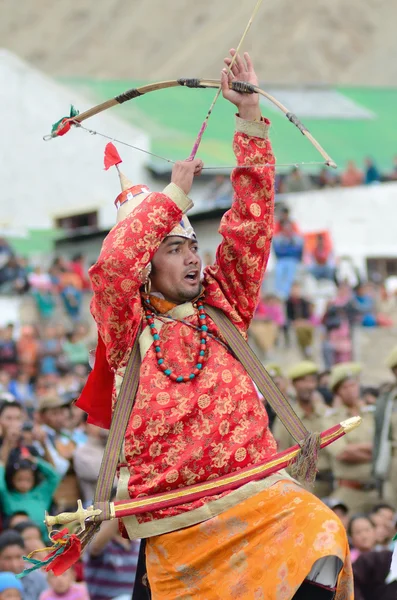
x,y
197,415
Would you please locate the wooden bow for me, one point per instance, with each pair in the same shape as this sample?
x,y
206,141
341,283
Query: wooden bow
x,y
238,86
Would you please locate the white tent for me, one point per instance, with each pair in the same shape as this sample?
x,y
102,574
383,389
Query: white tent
x,y
43,181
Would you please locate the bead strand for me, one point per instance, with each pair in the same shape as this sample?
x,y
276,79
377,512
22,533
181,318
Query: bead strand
x,y
150,316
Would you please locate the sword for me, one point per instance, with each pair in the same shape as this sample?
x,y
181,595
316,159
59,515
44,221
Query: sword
x,y
127,508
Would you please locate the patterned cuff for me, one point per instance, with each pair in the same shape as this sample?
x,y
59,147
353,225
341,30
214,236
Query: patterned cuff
x,y
178,196
257,129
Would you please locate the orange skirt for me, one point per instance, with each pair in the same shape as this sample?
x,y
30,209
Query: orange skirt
x,y
262,549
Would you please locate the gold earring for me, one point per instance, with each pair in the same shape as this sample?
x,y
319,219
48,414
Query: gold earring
x,y
147,286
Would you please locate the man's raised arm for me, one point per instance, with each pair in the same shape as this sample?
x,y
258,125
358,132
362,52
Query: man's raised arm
x,y
127,250
246,228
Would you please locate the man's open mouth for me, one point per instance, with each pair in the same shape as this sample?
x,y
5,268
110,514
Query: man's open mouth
x,y
192,277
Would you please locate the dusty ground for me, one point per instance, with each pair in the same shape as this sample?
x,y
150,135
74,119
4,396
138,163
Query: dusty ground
x,y
292,41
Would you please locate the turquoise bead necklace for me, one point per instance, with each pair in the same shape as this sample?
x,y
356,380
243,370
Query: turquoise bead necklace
x,y
150,316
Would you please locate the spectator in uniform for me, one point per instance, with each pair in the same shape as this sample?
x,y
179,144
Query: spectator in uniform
x,y
304,380
351,456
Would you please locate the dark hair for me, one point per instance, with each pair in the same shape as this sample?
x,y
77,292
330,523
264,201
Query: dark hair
x,y
355,518
23,464
27,426
380,506
321,374
4,404
332,318
10,538
373,391
21,527
7,521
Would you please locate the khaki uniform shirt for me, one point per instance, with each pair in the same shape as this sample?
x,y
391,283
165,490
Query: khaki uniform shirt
x,y
314,422
364,433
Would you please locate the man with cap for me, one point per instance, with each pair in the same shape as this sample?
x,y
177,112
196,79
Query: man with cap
x,y
303,376
385,442
351,458
197,415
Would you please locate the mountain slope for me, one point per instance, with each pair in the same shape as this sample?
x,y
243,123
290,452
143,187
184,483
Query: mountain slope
x,y
291,41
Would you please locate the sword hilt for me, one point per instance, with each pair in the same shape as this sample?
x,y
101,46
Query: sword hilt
x,y
351,423
80,516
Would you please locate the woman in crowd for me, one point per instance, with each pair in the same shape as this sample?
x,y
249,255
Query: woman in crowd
x,y
362,534
29,485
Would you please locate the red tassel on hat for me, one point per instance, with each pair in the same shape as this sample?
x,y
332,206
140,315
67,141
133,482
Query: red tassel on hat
x,y
112,157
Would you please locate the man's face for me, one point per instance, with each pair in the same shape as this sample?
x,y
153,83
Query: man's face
x,y
32,540
304,387
387,514
176,270
11,559
349,392
56,418
11,419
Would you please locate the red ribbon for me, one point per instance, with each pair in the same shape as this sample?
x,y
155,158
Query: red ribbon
x,y
71,554
64,126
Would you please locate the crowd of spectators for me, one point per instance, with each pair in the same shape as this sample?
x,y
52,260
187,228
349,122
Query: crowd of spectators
x,y
347,311
219,191
63,280
311,289
50,458
352,176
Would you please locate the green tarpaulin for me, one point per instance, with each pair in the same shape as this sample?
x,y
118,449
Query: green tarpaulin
x,y
172,118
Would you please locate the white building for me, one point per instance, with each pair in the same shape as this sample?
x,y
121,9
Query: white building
x,y
361,222
44,182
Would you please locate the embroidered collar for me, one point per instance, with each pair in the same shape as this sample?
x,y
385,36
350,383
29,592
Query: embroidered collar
x,y
163,306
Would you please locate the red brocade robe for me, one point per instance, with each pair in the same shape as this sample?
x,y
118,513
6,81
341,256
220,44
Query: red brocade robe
x,y
215,424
